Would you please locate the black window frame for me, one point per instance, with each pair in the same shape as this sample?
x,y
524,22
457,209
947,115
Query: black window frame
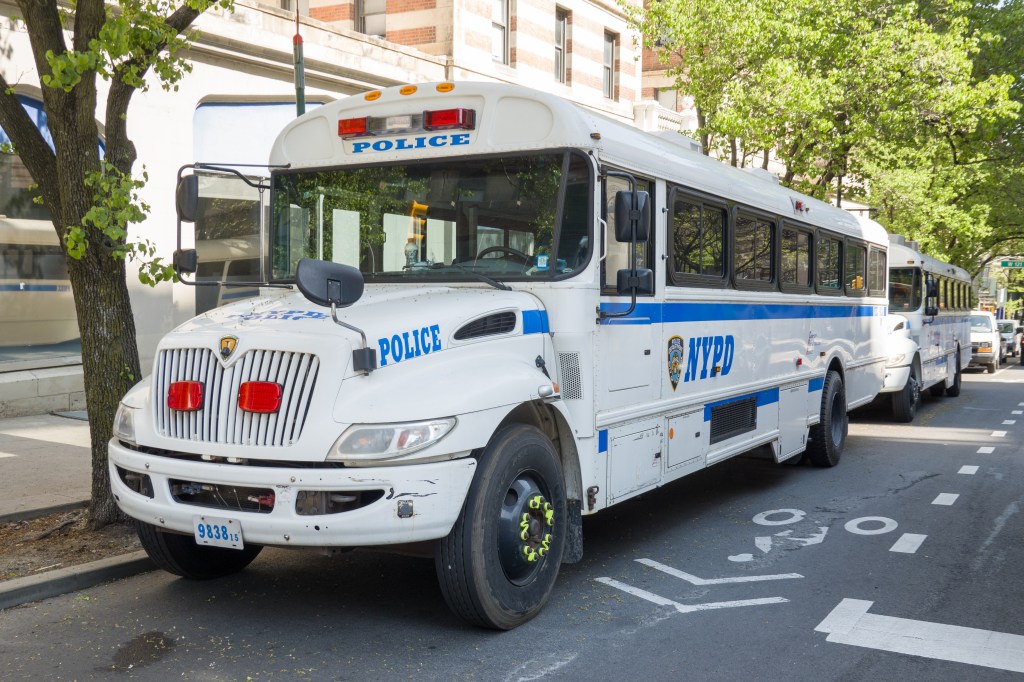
x,y
850,243
821,236
689,279
790,287
770,284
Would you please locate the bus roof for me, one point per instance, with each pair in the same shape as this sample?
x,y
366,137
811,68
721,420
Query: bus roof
x,y
23,231
512,118
902,254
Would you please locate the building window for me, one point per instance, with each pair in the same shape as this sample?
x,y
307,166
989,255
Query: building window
x,y
611,48
666,97
561,44
499,31
370,17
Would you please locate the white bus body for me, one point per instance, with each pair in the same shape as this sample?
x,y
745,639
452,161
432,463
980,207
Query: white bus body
x,y
935,299
36,303
497,414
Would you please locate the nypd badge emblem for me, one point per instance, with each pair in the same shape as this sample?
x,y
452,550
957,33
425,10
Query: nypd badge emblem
x,y
675,360
227,346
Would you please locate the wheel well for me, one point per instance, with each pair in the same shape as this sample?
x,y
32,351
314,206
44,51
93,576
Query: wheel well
x,y
556,428
837,366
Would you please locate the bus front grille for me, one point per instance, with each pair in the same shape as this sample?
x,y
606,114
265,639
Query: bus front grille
x,y
219,420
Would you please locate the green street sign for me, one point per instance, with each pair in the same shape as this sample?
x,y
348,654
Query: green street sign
x,y
1012,263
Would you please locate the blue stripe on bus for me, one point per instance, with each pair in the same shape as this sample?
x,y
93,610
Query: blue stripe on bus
x,y
815,384
768,396
535,322
35,287
602,440
656,313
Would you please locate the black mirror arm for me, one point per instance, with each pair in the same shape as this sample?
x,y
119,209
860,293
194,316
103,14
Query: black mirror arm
x,y
363,359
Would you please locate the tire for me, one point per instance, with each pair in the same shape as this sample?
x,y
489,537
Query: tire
x,y
993,366
490,574
180,555
828,436
953,390
938,390
905,402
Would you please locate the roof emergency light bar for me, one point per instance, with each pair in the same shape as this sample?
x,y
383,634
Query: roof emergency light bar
x,y
440,119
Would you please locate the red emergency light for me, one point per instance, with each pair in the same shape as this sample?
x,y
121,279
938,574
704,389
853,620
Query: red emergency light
x,y
185,396
449,119
352,127
262,397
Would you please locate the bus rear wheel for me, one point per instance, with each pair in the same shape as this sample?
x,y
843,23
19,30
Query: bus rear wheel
x,y
828,436
905,402
497,567
180,555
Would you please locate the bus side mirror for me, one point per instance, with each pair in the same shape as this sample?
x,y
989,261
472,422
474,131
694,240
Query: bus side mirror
x,y
625,215
642,283
933,288
931,310
185,261
186,198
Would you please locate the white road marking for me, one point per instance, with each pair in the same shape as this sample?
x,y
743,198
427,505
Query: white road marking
x,y
794,516
763,543
686,608
1009,422
908,543
1017,412
888,525
850,623
945,499
968,469
998,434
692,579
986,450
6,454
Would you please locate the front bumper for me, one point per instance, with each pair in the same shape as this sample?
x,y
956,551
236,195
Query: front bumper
x,y
430,497
895,379
978,358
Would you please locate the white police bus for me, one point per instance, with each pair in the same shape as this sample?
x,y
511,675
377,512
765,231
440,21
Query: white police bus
x,y
935,300
489,313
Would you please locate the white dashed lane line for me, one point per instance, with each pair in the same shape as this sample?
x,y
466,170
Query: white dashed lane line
x,y
908,543
945,499
968,469
986,450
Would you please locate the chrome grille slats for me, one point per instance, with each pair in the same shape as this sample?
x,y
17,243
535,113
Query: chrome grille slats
x,y
220,420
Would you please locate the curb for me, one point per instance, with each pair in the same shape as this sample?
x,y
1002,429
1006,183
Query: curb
x,y
55,583
28,514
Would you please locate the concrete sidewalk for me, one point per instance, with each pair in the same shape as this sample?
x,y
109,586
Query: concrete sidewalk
x,y
45,462
45,467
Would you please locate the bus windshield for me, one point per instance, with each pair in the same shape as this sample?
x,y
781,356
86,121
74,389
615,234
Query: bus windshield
x,y
904,290
438,220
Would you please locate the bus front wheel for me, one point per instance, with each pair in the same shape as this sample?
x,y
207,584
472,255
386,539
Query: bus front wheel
x,y
498,565
828,436
905,402
953,390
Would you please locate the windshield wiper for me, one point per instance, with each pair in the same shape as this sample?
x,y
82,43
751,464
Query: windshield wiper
x,y
487,279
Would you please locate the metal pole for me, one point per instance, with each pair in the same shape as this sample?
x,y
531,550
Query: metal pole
x,y
300,69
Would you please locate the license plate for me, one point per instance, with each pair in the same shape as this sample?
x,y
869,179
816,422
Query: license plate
x,y
217,532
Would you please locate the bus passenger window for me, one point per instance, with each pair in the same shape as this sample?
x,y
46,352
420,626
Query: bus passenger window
x,y
876,272
753,249
698,236
796,257
829,264
856,269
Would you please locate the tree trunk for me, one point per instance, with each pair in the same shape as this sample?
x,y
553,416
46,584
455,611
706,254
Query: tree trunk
x,y
110,361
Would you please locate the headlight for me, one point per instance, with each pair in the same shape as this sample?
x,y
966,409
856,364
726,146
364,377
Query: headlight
x,y
124,423
896,360
386,441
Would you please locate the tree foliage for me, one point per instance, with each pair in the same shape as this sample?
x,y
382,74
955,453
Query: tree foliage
x,y
92,196
911,107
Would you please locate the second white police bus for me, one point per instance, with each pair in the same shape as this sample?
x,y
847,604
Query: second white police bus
x,y
932,300
488,313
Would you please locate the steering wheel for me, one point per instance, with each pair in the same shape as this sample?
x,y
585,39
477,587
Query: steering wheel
x,y
515,253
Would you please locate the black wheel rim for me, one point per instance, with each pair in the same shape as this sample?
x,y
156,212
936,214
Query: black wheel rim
x,y
525,528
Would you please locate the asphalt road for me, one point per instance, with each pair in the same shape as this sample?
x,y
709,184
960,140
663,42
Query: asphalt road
x,y
902,563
